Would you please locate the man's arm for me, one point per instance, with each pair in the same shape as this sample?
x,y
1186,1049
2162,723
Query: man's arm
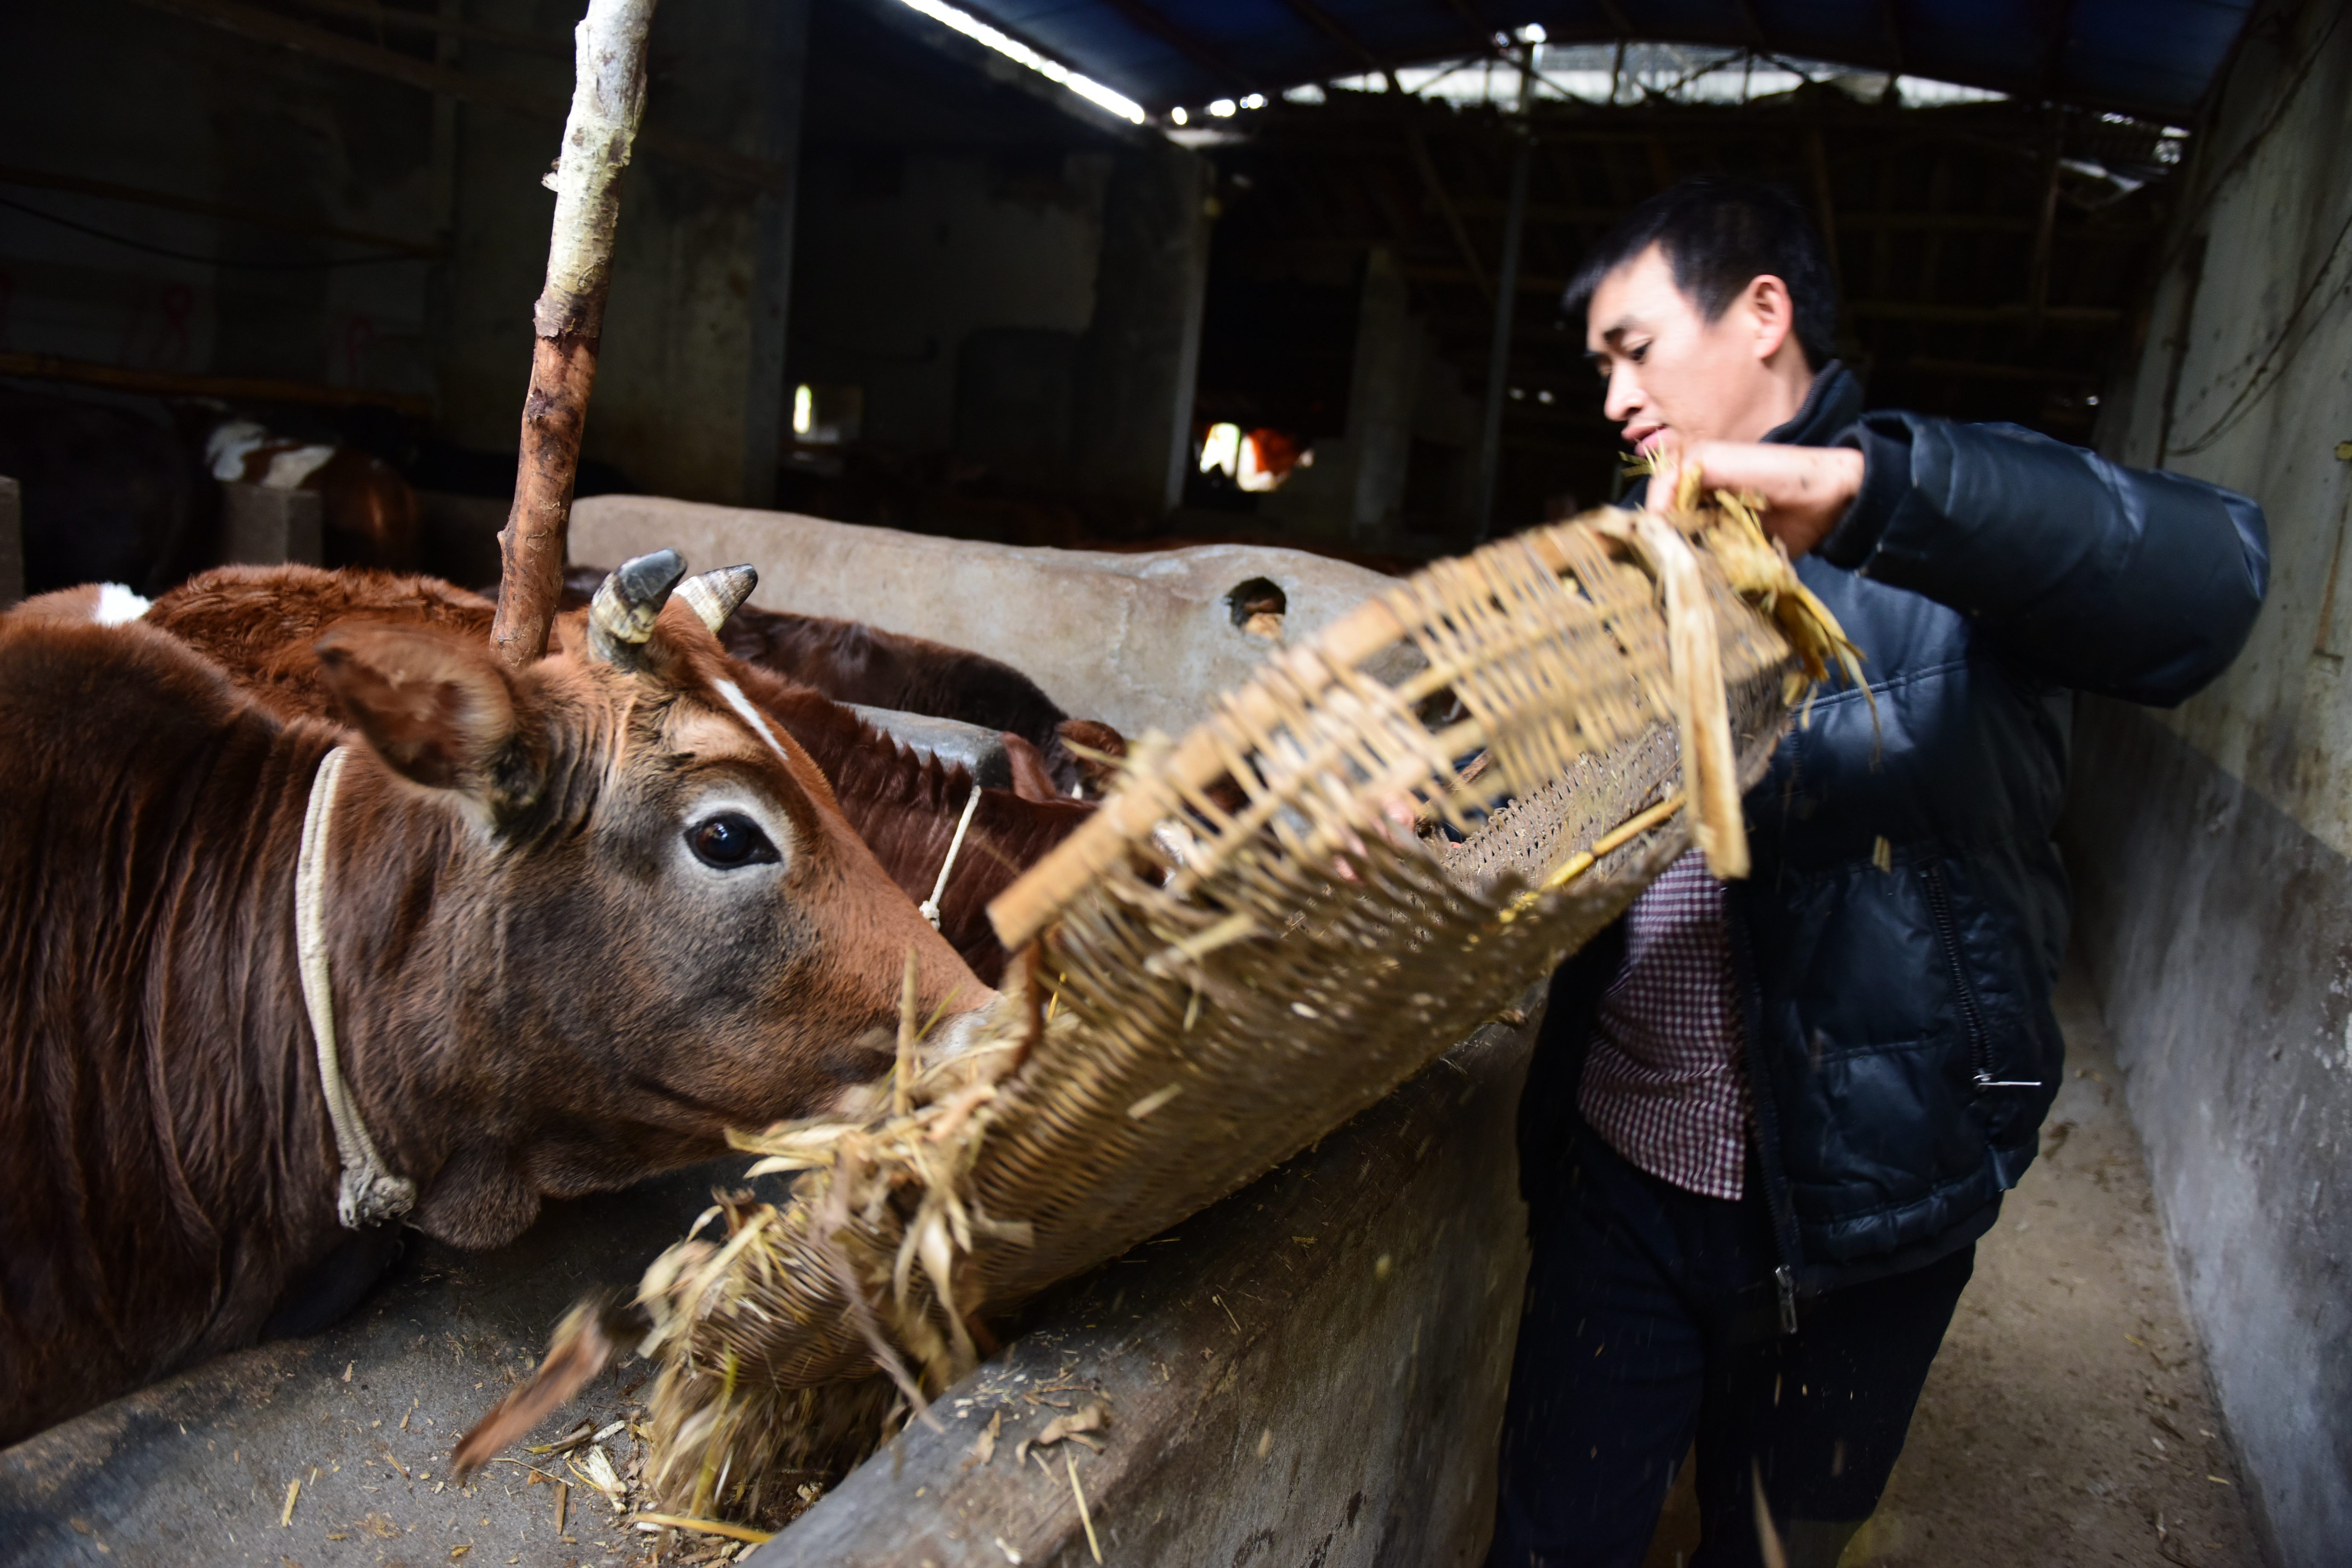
x,y
2136,584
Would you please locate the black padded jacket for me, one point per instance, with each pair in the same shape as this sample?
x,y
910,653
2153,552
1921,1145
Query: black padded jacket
x,y
1898,939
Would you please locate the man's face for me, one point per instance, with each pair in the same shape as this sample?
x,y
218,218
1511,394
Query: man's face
x,y
1674,375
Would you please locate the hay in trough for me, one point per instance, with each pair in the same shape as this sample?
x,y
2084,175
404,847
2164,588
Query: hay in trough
x,y
1269,925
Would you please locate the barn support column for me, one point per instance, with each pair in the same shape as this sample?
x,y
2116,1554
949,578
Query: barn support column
x,y
1132,434
1355,492
777,139
1498,349
1380,393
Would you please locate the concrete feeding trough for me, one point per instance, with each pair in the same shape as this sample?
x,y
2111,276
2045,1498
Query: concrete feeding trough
x,y
1315,1365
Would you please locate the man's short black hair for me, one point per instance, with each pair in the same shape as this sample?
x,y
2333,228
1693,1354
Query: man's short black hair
x,y
1719,234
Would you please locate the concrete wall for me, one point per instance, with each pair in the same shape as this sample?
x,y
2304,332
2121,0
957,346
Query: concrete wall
x,y
1398,389
116,93
904,255
1132,438
689,395
1035,310
2210,844
1139,641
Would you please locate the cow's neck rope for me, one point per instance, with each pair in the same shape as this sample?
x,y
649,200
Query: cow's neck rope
x,y
368,1193
930,906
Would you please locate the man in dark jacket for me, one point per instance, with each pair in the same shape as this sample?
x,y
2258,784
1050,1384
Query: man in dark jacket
x,y
1767,1121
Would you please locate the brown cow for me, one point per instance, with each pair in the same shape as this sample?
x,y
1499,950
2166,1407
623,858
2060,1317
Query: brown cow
x,y
368,515
850,661
906,805
577,920
259,623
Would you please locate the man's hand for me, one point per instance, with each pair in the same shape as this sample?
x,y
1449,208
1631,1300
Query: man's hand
x,y
1806,489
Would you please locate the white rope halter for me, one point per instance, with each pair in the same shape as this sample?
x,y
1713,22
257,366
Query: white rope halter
x,y
368,1193
930,906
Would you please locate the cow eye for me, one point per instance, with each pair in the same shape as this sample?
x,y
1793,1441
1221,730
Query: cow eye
x,y
729,840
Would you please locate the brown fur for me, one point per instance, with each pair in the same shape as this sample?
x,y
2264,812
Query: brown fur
x,y
906,805
368,515
850,661
259,621
538,991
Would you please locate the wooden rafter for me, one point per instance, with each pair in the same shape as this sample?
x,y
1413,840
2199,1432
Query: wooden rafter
x,y
1749,24
1891,24
1186,42
260,217
1339,33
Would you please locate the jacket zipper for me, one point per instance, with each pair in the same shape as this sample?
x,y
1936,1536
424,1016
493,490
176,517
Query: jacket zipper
x,y
1948,931
1759,1099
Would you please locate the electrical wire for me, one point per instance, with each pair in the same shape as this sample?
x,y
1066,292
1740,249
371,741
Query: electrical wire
x,y
2185,227
127,241
2255,388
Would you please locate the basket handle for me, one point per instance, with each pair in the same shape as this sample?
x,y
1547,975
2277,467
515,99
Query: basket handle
x,y
1694,679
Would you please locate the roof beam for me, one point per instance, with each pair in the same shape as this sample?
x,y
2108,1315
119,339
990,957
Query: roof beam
x,y
1749,24
1185,41
1338,33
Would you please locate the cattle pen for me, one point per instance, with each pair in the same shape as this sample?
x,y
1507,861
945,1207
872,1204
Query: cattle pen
x,y
1026,1022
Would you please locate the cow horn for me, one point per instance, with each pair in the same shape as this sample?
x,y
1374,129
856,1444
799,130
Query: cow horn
x,y
715,594
628,602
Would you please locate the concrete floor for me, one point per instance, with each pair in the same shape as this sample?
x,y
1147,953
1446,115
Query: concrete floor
x,y
2068,1419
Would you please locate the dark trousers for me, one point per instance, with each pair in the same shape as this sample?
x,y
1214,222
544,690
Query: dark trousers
x,y
1651,1317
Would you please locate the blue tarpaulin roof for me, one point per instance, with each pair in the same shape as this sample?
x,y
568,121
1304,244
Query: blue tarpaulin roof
x,y
2145,57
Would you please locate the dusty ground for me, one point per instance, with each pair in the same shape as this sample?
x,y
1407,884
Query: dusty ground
x,y
2067,1420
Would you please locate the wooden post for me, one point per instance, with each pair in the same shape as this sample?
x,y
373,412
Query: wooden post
x,y
1498,345
608,99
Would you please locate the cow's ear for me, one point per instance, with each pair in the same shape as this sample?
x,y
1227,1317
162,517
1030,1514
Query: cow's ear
x,y
439,709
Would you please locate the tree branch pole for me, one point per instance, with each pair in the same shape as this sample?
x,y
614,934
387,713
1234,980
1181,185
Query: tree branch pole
x,y
608,99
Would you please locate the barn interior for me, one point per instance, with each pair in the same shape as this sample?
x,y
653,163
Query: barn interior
x,y
1124,275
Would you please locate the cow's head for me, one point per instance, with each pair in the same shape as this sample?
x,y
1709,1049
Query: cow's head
x,y
642,919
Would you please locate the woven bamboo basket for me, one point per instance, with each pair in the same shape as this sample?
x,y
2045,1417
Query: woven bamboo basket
x,y
1354,862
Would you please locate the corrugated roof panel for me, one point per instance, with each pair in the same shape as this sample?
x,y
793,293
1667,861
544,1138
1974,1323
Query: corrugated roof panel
x,y
2151,56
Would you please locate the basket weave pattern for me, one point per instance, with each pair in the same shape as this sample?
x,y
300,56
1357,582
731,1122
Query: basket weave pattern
x,y
1350,864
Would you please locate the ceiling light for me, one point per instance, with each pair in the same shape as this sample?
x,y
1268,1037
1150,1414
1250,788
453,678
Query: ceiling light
x,y
1255,100
1222,108
1178,115
1012,48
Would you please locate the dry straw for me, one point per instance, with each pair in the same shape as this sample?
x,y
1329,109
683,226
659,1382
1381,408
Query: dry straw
x,y
1352,864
